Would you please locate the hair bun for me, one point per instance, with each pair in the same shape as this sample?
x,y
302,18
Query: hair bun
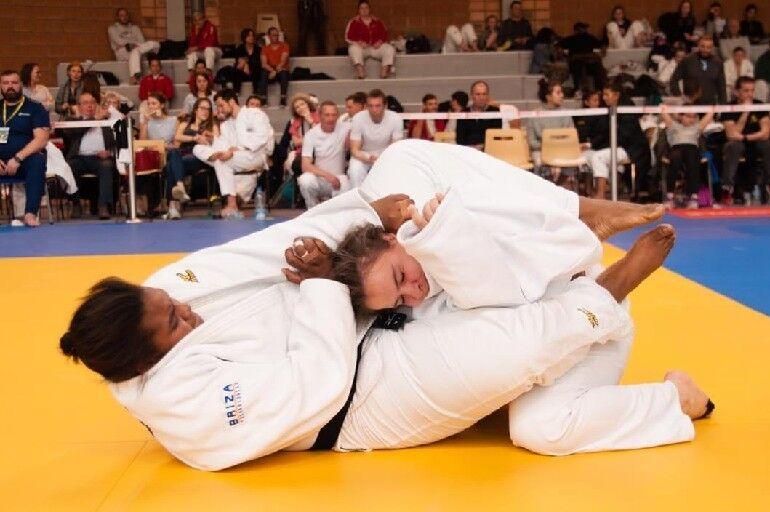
x,y
67,345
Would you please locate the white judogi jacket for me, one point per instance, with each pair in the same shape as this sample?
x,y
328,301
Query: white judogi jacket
x,y
250,131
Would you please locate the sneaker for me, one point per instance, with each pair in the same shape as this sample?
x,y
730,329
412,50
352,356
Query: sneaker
x,y
234,215
668,204
179,193
692,204
173,213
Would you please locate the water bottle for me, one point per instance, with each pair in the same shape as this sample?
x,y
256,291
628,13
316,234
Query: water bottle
x,y
260,205
756,196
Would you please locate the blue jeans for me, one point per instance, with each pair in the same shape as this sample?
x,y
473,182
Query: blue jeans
x,y
32,173
178,166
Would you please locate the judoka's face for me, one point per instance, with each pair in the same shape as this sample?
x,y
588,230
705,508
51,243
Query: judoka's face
x,y
394,279
167,319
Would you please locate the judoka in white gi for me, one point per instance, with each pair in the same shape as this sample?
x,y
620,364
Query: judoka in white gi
x,y
247,365
240,152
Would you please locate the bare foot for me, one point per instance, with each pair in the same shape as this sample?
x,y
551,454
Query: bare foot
x,y
692,398
646,255
30,220
607,218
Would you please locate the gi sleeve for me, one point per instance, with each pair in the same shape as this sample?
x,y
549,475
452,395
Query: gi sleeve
x,y
254,131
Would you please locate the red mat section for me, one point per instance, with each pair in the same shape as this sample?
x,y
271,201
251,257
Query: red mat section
x,y
722,213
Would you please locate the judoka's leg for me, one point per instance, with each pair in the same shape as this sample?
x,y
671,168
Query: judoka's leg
x,y
357,172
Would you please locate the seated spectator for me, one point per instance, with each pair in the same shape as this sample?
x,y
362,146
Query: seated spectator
x,y
680,26
33,89
732,30
738,66
156,82
683,133
551,95
67,97
546,55
515,32
304,116
426,128
667,67
312,18
458,102
112,105
488,40
354,104
202,89
762,68
584,63
158,125
198,129
585,124
472,132
203,43
275,66
92,151
239,152
200,67
715,22
621,33
705,68
371,132
248,61
23,138
748,134
323,158
751,27
254,101
367,38
128,43
460,39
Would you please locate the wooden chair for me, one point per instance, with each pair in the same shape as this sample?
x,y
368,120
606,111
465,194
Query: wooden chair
x,y
561,148
445,137
265,21
509,145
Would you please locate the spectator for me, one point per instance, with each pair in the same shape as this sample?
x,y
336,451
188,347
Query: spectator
x,y
748,134
632,144
199,129
738,66
23,137
458,102
621,33
248,61
367,38
460,39
584,63
551,95
92,151
156,82
667,67
585,124
472,132
239,152
312,18
33,89
683,136
158,125
275,65
304,116
762,68
751,27
547,57
488,41
200,67
203,43
426,128
515,32
323,158
354,104
715,22
202,89
128,43
371,132
254,101
68,94
705,68
111,105
679,26
732,30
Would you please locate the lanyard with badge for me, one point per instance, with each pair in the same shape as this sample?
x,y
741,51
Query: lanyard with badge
x,y
5,130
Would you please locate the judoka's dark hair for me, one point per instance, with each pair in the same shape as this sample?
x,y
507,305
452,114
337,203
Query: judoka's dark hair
x,y
106,333
353,259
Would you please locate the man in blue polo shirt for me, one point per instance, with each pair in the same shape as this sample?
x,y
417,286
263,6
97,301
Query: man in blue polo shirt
x,y
24,130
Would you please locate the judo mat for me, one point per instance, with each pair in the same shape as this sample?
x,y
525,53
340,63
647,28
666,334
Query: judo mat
x,y
67,445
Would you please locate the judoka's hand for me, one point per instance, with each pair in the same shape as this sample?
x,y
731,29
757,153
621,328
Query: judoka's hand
x,y
309,257
428,211
393,210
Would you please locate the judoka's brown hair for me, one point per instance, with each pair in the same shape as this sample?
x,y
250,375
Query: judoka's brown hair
x,y
353,259
106,335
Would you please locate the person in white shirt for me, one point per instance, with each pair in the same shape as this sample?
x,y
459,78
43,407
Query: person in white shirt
x,y
622,34
371,132
128,43
354,104
460,39
323,158
240,152
736,67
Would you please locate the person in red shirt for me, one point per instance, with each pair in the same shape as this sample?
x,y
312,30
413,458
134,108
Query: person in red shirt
x,y
426,128
275,65
367,38
156,81
203,42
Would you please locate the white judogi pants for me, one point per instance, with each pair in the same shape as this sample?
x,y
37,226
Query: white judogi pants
x,y
316,190
230,182
134,57
599,160
357,172
456,36
211,55
385,54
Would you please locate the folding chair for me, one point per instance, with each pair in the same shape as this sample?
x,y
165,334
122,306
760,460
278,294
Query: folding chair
x,y
265,21
561,149
509,145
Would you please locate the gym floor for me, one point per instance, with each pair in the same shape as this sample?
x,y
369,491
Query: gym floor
x,y
67,445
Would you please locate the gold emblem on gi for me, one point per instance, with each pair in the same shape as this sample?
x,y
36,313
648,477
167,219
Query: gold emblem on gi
x,y
187,276
591,317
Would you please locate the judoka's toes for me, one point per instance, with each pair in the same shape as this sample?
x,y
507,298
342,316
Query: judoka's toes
x,y
692,399
618,217
652,212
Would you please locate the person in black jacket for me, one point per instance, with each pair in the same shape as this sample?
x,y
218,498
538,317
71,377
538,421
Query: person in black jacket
x,y
751,27
584,63
311,19
706,69
515,32
248,62
472,132
679,26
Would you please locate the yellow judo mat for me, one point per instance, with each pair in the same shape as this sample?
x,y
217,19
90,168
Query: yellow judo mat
x,y
67,445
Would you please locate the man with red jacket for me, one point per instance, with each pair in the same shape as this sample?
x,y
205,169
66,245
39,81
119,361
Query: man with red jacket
x,y
156,81
368,39
203,42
